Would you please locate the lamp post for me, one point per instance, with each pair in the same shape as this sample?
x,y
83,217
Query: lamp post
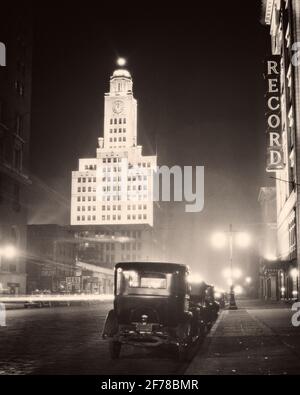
x,y
232,302
219,240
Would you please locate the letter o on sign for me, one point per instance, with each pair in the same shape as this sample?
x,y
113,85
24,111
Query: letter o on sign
x,y
274,121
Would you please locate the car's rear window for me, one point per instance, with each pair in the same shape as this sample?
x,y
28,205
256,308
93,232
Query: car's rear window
x,y
145,280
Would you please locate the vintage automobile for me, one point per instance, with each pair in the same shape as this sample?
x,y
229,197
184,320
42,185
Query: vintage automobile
x,y
203,299
151,308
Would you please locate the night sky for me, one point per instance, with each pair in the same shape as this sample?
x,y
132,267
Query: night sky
x,y
197,75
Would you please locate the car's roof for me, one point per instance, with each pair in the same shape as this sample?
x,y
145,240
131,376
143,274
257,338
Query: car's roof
x,y
156,266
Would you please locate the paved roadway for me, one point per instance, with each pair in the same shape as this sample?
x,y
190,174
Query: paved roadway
x,y
258,339
66,340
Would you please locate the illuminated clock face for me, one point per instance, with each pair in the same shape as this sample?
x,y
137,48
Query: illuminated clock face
x,y
118,106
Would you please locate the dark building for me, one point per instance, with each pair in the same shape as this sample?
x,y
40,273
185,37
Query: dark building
x,y
15,108
62,261
51,257
283,20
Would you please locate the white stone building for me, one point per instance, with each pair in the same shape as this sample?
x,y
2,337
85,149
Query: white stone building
x,y
115,187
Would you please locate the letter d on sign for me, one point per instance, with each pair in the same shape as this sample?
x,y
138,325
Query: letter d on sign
x,y
2,55
296,316
2,314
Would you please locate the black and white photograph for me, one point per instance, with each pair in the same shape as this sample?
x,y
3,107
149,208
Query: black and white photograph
x,y
149,191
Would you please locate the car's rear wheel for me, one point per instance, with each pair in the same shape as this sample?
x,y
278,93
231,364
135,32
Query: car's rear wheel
x,y
182,352
114,349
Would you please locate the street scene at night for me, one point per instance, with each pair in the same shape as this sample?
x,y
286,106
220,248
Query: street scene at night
x,y
149,191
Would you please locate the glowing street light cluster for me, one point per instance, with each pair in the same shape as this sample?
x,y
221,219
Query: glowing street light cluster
x,y
219,240
242,239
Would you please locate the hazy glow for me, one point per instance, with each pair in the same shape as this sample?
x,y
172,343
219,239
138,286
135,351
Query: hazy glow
x,y
270,257
294,273
9,252
248,280
121,62
219,240
243,239
229,282
195,278
236,273
238,290
217,295
57,298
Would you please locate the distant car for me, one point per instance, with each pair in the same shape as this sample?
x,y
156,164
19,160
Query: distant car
x,y
38,303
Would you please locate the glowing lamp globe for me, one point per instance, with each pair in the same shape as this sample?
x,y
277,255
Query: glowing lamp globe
x,y
121,62
218,240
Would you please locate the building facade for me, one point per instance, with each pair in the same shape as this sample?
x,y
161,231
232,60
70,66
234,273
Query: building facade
x,y
112,204
15,108
54,263
268,276
283,19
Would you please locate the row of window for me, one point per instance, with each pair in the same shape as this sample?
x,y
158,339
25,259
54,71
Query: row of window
x,y
83,199
114,208
90,167
129,179
129,217
116,121
89,208
129,188
139,206
88,218
111,160
110,169
88,189
126,233
121,130
89,179
109,179
134,216
115,139
129,207
113,217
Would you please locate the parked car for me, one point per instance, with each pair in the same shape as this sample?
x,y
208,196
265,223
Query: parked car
x,y
151,308
203,298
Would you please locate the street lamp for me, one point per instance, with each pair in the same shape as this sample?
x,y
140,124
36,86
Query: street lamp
x,y
8,252
243,240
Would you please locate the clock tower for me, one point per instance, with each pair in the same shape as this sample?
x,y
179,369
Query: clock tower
x,y
120,113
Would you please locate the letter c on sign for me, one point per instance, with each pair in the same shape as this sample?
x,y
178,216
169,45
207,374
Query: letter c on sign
x,y
272,107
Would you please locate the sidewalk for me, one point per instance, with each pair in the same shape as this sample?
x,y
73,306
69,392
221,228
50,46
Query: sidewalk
x,y
242,343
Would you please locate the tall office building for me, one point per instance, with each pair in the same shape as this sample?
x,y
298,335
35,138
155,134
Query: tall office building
x,y
112,193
